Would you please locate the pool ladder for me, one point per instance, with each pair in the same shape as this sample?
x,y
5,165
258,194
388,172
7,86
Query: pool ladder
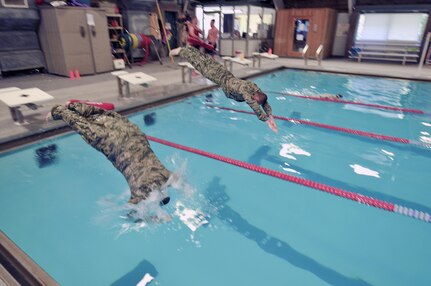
x,y
319,54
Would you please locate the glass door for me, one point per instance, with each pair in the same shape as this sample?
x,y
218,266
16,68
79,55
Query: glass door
x,y
300,34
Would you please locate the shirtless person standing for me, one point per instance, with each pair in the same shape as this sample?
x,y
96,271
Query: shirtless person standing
x,y
212,38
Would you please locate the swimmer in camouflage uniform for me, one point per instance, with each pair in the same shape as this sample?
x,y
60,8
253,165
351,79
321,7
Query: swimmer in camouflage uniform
x,y
234,88
123,143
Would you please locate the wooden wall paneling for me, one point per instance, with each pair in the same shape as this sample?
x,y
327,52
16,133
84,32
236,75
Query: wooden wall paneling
x,y
323,32
322,23
329,32
331,35
282,26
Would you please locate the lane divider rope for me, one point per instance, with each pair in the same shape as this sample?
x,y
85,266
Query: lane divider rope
x,y
380,204
393,108
335,128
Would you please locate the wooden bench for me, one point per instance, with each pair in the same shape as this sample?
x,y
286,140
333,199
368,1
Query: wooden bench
x,y
14,98
388,52
259,56
237,60
125,79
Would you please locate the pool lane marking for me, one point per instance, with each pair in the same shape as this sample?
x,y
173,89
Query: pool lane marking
x,y
336,128
393,108
380,204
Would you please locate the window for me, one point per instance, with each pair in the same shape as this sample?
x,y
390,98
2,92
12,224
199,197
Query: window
x,y
240,24
210,13
15,3
404,27
267,30
255,21
226,25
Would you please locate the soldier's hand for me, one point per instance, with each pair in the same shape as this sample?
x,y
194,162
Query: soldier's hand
x,y
262,116
271,124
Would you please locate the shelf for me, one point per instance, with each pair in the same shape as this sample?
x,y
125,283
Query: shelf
x,y
114,15
115,28
114,41
118,51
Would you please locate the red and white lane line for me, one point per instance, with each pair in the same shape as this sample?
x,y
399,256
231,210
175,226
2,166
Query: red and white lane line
x,y
378,106
336,128
380,204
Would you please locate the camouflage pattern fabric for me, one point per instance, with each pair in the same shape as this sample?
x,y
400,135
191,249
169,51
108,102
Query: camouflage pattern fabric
x,y
122,142
234,88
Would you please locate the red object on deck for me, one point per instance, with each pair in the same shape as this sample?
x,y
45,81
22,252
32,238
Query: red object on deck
x,y
103,105
197,42
145,44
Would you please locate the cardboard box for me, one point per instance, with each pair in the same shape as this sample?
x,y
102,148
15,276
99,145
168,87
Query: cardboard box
x,y
119,64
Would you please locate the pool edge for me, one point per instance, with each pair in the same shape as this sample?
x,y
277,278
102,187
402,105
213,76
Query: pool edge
x,y
19,267
17,141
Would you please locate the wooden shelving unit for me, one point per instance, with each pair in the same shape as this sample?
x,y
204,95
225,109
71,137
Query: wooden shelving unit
x,y
115,28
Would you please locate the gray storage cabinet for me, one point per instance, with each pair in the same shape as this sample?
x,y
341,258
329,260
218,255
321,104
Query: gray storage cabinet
x,y
74,38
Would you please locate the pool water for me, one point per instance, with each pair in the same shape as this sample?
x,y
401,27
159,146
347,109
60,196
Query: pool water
x,y
66,207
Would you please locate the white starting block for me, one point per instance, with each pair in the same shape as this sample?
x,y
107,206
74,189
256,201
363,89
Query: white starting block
x,y
186,66
125,79
259,56
14,98
237,60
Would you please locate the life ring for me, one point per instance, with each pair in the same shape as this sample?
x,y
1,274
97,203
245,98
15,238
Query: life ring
x,y
135,41
125,41
103,105
197,42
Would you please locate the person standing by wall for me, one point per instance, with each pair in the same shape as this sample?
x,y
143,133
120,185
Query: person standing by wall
x,y
194,31
212,37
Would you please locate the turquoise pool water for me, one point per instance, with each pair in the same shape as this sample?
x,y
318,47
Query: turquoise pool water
x,y
67,211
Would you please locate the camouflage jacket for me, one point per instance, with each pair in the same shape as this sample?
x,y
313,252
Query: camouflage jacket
x,y
234,88
122,142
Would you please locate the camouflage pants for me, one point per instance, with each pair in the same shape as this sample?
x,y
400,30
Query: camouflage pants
x,y
216,72
234,88
122,142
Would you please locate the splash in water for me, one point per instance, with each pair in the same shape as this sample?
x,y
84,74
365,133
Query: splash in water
x,y
149,213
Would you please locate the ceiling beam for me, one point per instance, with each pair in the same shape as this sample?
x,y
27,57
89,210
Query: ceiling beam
x,y
278,4
350,5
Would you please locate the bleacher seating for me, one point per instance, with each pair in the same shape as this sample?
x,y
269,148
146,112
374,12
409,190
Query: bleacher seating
x,y
385,51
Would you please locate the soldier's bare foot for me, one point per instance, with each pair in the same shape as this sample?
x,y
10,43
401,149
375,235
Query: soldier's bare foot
x,y
175,52
48,116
